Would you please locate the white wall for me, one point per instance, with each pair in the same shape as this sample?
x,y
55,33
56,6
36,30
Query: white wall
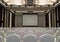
x,y
42,20
18,20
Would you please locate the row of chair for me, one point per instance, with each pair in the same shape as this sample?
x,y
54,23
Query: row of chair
x,y
29,38
13,36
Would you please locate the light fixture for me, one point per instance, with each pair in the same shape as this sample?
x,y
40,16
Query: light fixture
x,y
7,1
37,2
53,0
15,2
45,2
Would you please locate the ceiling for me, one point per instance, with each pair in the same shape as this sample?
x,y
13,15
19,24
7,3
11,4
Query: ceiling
x,y
34,7
30,2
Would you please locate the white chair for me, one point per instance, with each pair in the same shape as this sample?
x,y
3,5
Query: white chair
x,y
46,38
30,38
22,33
1,38
10,32
58,39
50,32
58,36
13,38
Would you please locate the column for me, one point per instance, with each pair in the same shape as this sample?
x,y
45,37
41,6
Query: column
x,y
10,19
49,19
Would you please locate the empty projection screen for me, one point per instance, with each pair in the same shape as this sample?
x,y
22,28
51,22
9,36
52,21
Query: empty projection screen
x,y
30,20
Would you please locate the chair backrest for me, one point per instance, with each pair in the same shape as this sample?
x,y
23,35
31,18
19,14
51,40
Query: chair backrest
x,y
46,38
1,38
13,38
21,33
58,39
30,38
58,36
50,32
10,32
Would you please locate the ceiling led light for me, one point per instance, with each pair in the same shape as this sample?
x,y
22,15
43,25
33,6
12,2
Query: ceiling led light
x,y
42,2
45,2
53,0
15,2
7,1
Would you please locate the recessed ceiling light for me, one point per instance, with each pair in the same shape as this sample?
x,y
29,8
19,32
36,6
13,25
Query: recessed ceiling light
x,y
45,2
15,2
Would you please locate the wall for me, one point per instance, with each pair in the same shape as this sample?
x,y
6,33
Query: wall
x,y
18,20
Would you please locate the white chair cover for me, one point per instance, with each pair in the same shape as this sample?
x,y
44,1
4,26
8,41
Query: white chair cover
x,y
58,39
58,36
1,39
13,38
30,38
46,38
